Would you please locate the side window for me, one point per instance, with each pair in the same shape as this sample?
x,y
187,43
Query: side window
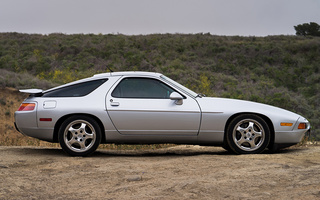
x,y
77,90
142,88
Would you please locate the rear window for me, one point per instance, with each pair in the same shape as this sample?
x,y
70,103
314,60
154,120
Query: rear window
x,y
77,90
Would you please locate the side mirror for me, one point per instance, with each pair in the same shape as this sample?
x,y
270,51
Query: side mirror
x,y
177,97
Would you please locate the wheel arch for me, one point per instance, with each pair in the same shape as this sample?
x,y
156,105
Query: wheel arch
x,y
63,118
265,118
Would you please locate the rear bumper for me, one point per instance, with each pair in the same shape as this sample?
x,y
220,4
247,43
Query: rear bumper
x,y
42,134
25,123
15,125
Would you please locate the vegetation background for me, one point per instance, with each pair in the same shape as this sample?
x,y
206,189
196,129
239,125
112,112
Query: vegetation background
x,y
282,71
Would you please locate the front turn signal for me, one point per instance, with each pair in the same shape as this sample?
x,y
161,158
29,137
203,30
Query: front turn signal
x,y
302,126
27,107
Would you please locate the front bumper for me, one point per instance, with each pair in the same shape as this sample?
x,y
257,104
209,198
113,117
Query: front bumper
x,y
294,136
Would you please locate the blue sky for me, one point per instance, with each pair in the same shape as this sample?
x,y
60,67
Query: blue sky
x,y
134,17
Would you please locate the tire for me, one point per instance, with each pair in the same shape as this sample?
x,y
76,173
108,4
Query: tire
x,y
248,134
79,135
226,147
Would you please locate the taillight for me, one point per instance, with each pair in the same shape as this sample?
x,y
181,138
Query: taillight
x,y
27,107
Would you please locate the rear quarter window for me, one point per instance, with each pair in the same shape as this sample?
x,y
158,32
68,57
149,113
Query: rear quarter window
x,y
77,90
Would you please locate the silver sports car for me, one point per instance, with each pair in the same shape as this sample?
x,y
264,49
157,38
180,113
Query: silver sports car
x,y
149,108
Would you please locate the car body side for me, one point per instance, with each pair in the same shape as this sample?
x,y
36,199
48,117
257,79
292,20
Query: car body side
x,y
214,113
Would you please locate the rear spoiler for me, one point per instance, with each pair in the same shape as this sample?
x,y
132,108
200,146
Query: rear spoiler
x,y
32,92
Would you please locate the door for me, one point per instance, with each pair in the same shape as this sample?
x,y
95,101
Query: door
x,y
142,106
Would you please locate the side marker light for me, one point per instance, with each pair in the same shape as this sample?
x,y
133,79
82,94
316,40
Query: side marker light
x,y
45,119
286,124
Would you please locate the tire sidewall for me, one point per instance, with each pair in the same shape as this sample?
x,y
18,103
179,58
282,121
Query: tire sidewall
x,y
235,121
66,123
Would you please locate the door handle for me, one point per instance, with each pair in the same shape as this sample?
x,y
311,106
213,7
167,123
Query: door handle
x,y
112,103
115,103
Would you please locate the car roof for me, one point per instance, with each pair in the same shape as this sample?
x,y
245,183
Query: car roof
x,y
128,73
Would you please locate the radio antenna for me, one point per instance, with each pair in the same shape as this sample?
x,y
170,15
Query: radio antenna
x,y
109,68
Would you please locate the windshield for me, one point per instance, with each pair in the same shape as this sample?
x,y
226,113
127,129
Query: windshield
x,y
179,86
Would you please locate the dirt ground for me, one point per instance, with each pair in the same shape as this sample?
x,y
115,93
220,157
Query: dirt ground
x,y
180,172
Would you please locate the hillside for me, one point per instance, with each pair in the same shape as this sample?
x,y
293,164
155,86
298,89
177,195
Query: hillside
x,y
282,71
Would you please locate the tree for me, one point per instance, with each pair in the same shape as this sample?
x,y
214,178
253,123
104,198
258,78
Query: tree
x,y
311,29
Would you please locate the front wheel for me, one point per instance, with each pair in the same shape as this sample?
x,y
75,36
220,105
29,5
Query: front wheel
x,y
79,135
248,134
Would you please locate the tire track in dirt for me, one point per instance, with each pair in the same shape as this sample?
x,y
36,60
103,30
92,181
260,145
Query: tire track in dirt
x,y
180,172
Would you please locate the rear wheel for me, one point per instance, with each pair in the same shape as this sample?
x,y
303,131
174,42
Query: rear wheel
x,y
248,134
79,135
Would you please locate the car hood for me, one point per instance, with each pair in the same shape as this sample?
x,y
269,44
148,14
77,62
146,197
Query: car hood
x,y
233,106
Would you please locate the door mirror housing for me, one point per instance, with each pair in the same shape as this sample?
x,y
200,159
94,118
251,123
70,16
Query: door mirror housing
x,y
177,97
